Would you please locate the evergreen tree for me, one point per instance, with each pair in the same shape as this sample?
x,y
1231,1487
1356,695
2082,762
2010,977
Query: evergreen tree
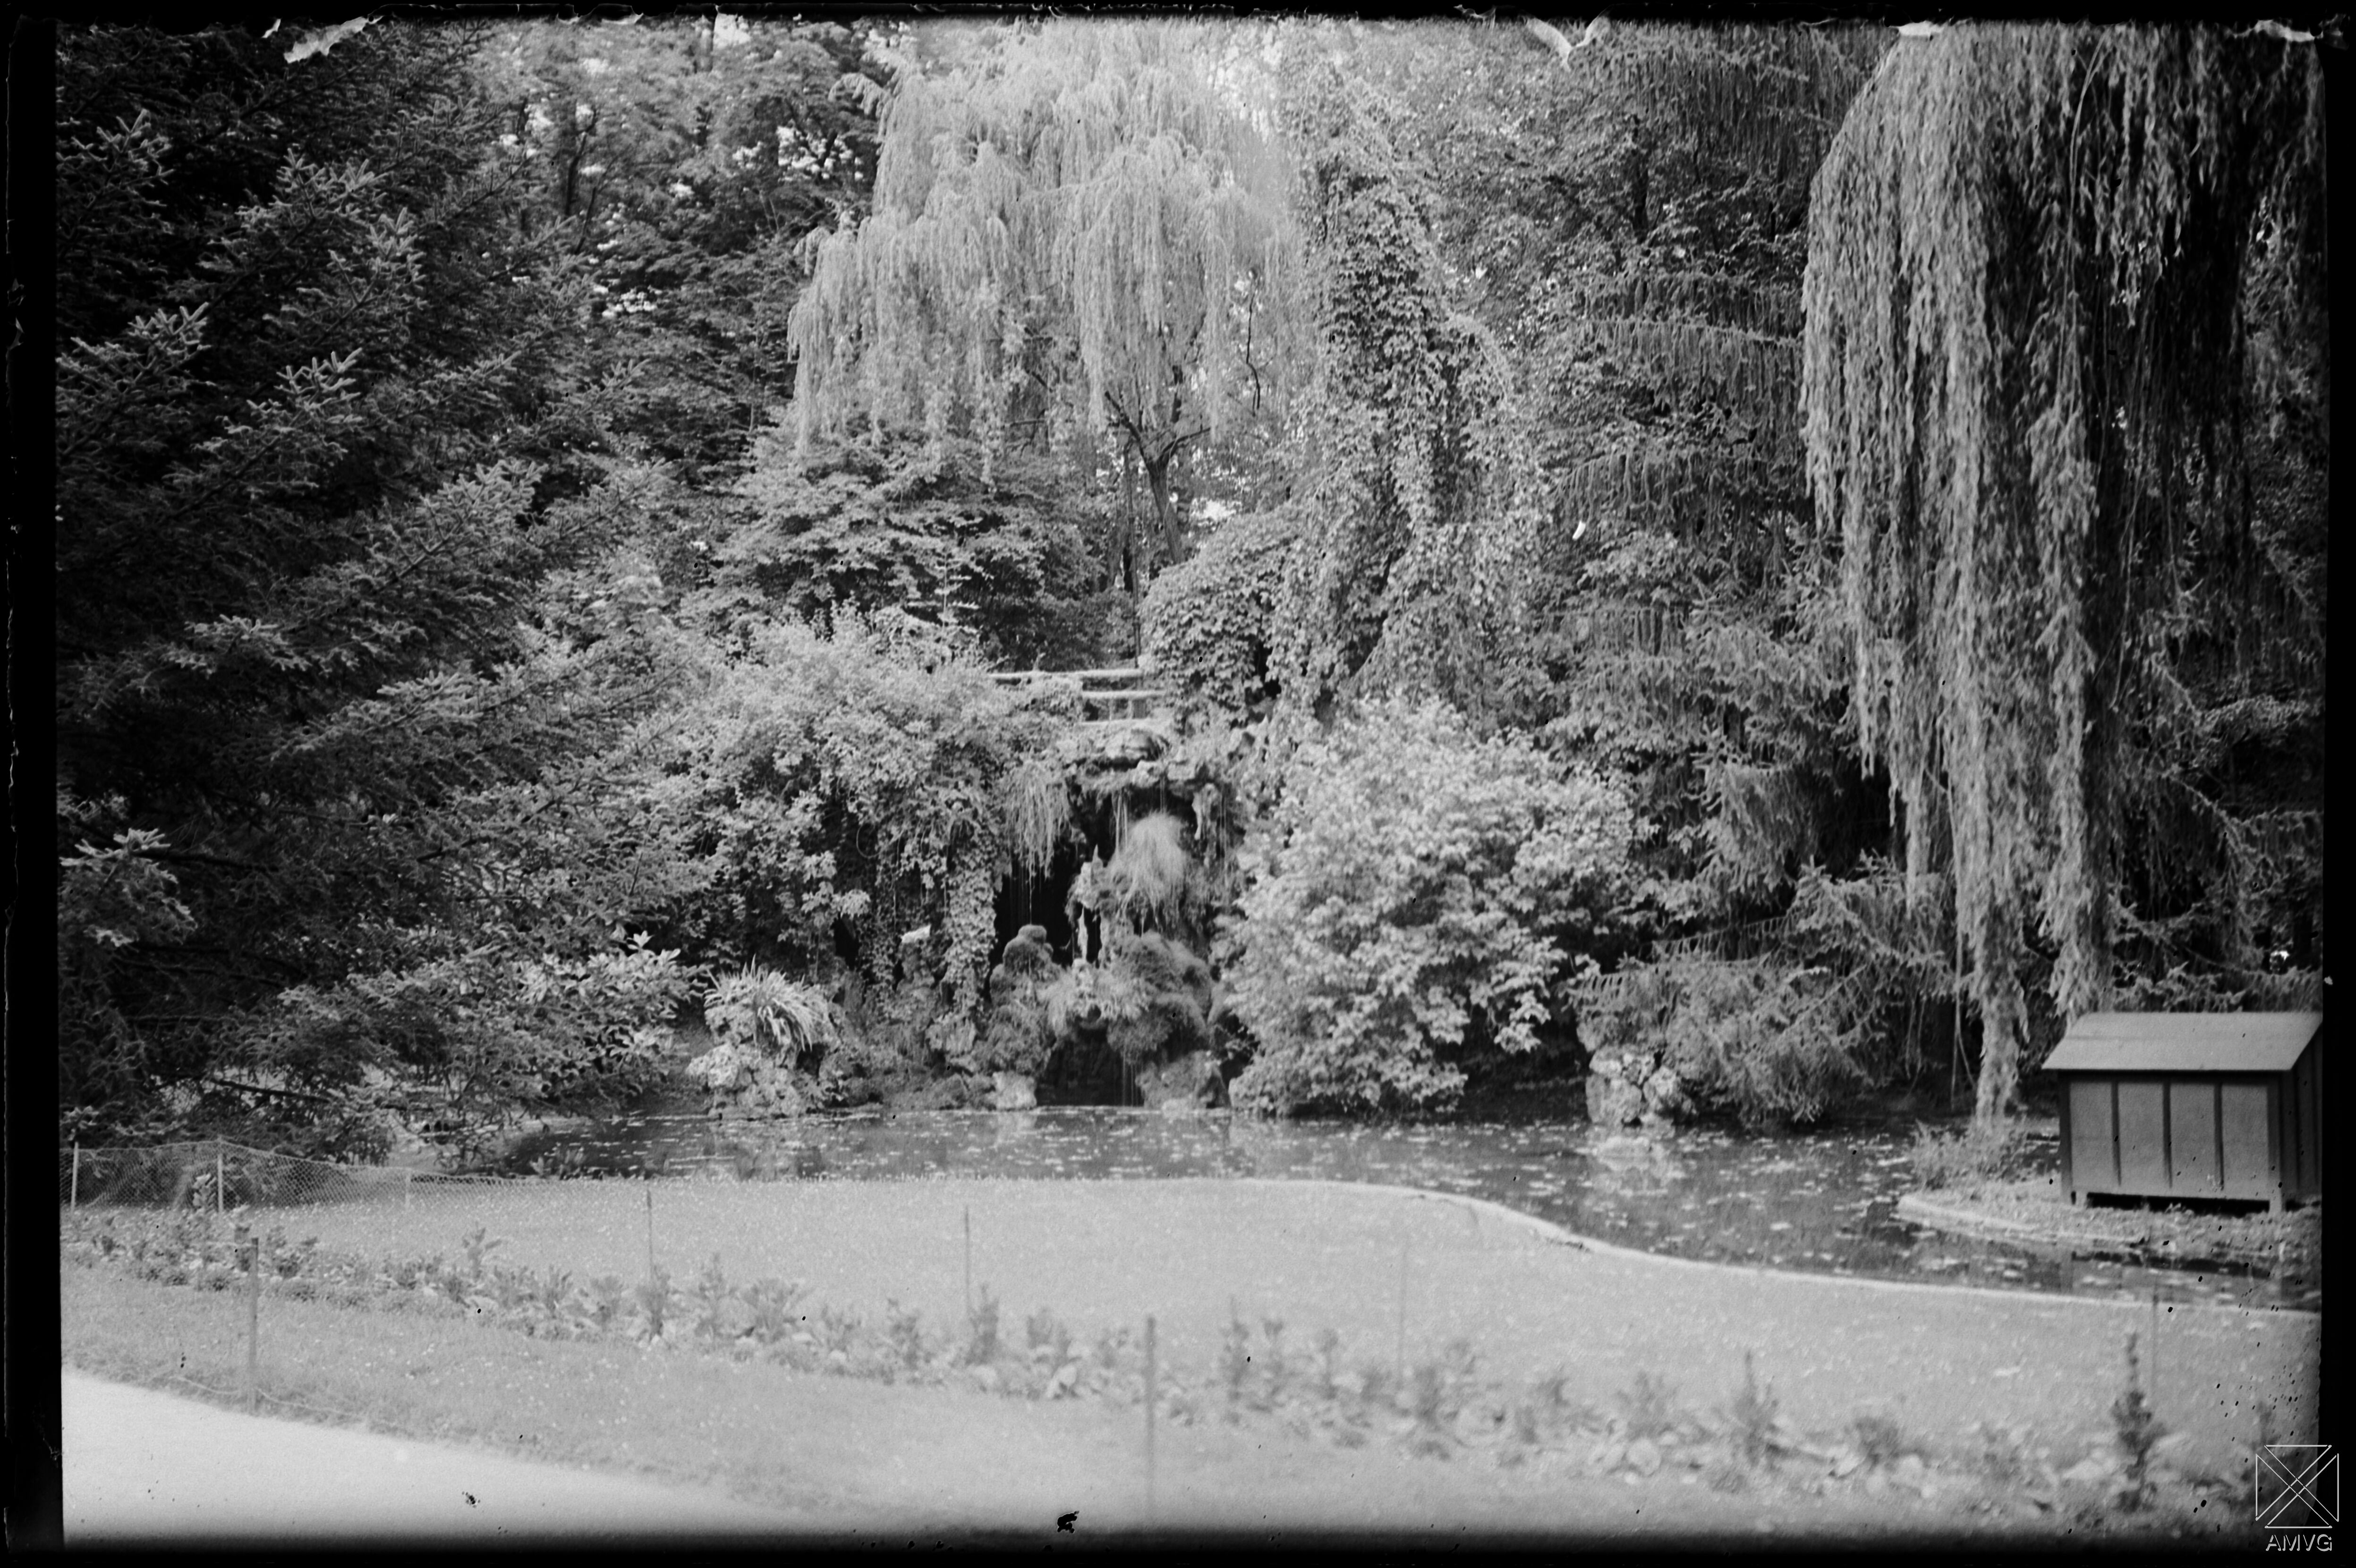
x,y
334,656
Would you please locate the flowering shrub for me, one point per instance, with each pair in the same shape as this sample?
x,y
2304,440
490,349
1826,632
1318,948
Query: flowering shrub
x,y
1415,887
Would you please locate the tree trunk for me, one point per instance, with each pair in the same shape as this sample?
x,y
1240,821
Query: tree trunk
x,y
1999,1077
1165,507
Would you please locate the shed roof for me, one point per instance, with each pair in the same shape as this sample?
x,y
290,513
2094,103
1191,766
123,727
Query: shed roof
x,y
2185,1043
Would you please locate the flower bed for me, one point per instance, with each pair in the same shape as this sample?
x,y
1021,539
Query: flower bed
x,y
1264,1376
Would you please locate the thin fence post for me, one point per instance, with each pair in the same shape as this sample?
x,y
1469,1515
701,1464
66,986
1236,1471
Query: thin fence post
x,y
252,1322
1149,1416
1398,1362
73,1184
2155,1347
220,1192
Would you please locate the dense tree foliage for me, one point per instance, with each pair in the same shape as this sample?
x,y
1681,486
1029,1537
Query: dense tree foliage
x,y
898,526
683,163
1409,506
2033,260
332,650
1738,548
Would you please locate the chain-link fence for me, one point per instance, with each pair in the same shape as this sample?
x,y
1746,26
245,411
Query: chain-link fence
x,y
215,1174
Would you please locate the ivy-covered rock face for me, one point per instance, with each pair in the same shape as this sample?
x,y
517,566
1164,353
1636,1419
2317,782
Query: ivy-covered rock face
x,y
1416,890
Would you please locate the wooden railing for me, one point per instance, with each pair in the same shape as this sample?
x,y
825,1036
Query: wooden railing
x,y
1126,693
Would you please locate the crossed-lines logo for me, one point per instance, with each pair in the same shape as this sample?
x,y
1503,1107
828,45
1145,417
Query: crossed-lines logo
x,y
2297,1489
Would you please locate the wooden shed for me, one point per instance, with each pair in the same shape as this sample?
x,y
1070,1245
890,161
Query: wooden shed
x,y
2192,1106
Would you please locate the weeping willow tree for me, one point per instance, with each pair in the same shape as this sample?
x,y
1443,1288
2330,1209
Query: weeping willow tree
x,y
1399,575
1079,240
2034,257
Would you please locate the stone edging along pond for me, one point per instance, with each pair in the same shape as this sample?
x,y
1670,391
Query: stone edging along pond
x,y
1548,1231
2258,1242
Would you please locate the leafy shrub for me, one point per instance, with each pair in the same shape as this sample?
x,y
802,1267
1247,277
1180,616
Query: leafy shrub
x,y
1206,620
1762,1036
856,775
1155,994
1414,886
472,1034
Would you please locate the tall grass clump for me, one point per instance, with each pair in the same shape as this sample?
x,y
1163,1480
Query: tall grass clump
x,y
1038,808
1977,1152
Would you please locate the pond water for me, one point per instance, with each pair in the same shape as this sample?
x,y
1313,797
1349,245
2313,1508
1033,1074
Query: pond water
x,y
1821,1200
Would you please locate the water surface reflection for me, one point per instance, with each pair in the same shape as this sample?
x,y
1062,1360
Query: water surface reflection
x,y
1819,1201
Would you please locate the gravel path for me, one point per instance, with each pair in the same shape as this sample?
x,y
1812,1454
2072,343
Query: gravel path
x,y
143,1466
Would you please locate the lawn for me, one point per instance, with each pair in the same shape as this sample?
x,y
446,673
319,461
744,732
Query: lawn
x,y
1199,1254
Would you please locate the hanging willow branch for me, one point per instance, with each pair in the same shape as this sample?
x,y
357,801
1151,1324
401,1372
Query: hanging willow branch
x,y
2024,394
1082,226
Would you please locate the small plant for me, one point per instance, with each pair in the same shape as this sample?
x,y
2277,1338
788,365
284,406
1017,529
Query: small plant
x,y
837,1332
2138,1432
1328,1346
1752,1413
903,1331
1649,1406
553,1291
1047,1332
1376,1386
2001,1453
1235,1360
761,1011
1427,1393
607,1295
1879,1440
1277,1372
509,1286
477,1245
772,1304
652,1297
711,1296
981,1346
